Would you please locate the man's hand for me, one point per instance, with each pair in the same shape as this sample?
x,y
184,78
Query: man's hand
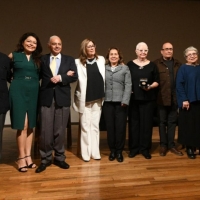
x,y
55,79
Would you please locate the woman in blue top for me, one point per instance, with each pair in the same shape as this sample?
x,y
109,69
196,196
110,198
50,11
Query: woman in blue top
x,y
188,97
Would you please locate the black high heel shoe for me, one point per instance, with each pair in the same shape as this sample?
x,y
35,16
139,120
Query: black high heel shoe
x,y
32,165
21,169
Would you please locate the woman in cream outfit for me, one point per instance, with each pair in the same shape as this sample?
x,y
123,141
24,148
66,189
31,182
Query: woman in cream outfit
x,y
88,97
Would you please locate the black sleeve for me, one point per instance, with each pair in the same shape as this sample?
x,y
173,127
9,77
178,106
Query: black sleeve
x,y
9,65
70,79
40,69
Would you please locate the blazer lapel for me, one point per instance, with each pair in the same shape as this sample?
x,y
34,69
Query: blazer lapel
x,y
108,68
117,69
61,63
83,68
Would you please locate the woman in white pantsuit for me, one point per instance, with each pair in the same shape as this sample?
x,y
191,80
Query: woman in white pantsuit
x,y
88,97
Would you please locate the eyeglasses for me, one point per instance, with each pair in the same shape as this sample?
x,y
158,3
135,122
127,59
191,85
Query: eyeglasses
x,y
143,50
191,54
91,46
168,49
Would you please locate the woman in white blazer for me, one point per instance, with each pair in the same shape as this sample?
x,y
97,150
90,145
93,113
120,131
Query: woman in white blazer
x,y
88,97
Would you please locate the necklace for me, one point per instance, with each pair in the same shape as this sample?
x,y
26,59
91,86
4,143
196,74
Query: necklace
x,y
91,62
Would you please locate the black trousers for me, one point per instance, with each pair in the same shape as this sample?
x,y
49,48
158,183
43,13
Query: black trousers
x,y
140,125
115,117
167,125
2,121
189,125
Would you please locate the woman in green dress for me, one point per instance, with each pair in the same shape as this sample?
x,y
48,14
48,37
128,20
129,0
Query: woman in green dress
x,y
23,94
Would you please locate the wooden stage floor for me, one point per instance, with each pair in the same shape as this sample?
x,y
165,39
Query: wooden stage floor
x,y
170,177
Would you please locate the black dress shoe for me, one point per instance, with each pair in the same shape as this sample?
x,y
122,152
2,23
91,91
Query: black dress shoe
x,y
190,153
132,155
61,164
112,156
42,167
146,154
120,157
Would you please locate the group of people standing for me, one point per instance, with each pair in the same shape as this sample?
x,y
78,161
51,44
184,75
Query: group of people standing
x,y
28,100
106,86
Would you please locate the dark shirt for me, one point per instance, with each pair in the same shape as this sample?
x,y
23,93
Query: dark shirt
x,y
150,72
95,84
170,66
4,76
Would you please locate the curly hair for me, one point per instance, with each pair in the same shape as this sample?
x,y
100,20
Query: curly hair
x,y
37,53
120,61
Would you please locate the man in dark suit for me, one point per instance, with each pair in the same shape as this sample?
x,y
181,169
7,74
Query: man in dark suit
x,y
57,72
4,100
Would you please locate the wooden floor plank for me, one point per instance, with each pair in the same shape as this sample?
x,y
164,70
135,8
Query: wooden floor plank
x,y
170,177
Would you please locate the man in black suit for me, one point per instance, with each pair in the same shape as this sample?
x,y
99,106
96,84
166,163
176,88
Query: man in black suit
x,y
4,100
57,72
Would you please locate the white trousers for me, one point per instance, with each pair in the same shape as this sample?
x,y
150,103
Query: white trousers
x,y
89,121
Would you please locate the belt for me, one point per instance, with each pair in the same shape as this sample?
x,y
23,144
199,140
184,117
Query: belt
x,y
25,78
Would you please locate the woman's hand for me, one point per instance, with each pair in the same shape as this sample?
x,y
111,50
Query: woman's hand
x,y
148,88
70,73
186,105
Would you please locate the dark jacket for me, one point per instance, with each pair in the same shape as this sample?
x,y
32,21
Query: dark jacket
x,y
165,93
61,91
4,76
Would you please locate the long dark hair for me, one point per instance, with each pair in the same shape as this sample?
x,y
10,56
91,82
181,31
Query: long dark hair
x,y
35,54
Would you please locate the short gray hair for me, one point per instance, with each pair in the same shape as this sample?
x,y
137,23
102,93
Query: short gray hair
x,y
53,37
191,48
141,44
